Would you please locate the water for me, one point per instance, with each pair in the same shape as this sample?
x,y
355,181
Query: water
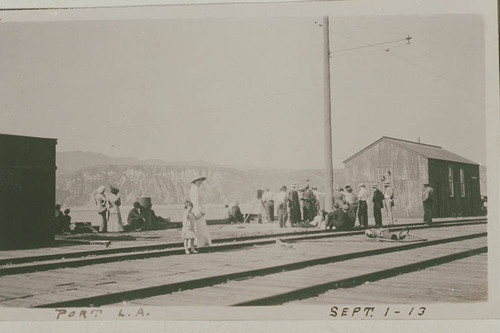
x,y
174,212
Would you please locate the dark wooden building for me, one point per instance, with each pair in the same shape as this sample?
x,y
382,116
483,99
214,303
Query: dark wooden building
x,y
408,165
27,191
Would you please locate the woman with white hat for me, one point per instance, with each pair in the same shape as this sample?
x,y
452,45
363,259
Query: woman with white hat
x,y
115,223
102,210
200,226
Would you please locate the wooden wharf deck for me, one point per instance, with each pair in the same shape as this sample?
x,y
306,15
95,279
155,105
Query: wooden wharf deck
x,y
463,280
62,260
243,292
165,239
73,284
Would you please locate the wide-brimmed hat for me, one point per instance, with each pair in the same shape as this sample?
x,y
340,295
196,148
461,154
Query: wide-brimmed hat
x,y
427,184
113,188
202,178
348,187
386,183
374,186
339,188
101,189
283,188
362,185
136,204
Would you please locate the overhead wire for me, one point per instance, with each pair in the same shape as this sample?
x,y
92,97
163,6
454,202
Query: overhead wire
x,y
435,74
370,45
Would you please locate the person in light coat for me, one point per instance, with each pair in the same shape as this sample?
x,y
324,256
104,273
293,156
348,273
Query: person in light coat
x,y
389,201
427,199
102,210
200,224
115,222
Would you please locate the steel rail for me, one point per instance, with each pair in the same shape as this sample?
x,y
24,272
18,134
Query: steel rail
x,y
79,262
312,291
99,252
141,293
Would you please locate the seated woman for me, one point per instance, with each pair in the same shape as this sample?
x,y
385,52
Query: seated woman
x,y
235,213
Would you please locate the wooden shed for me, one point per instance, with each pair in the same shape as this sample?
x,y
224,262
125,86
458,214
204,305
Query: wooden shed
x,y
27,191
408,165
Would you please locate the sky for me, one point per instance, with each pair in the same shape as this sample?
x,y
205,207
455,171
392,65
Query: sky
x,y
245,92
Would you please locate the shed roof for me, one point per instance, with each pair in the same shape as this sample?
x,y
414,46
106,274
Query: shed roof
x,y
425,150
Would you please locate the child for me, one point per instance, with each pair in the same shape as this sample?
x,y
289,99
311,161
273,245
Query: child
x,y
188,228
319,220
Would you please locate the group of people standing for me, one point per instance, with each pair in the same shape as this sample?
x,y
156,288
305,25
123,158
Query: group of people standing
x,y
293,204
108,208
348,205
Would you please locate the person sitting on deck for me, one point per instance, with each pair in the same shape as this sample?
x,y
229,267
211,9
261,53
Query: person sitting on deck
x,y
332,217
343,221
235,213
320,220
134,219
58,219
226,212
65,221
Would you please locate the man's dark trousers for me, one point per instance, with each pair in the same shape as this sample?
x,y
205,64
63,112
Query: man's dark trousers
x,y
363,213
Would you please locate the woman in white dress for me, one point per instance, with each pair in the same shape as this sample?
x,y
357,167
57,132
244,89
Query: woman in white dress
x,y
115,223
200,226
102,210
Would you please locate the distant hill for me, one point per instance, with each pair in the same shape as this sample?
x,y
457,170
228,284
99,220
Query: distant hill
x,y
80,173
68,162
170,184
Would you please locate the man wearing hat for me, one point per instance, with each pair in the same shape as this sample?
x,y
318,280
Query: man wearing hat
x,y
268,203
135,220
378,204
338,196
281,201
427,200
352,201
389,201
363,206
293,205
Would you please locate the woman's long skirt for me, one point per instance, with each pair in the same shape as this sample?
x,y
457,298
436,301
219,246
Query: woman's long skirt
x,y
201,232
115,222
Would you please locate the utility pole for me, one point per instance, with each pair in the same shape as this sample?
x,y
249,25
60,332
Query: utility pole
x,y
328,118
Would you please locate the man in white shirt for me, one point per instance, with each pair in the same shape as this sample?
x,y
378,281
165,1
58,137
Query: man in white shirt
x,y
268,201
389,201
280,199
363,206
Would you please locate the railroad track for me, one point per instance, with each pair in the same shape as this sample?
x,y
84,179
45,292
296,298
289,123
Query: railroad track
x,y
81,254
24,265
301,279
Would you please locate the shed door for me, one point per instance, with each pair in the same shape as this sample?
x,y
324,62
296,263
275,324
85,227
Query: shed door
x,y
439,209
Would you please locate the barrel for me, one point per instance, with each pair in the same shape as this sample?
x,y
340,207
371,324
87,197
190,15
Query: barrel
x,y
145,202
146,209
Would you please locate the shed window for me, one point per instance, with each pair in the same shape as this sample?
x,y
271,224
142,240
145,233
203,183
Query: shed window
x,y
462,183
450,182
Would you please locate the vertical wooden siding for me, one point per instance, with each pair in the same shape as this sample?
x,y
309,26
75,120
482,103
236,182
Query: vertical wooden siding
x,y
27,191
409,172
447,206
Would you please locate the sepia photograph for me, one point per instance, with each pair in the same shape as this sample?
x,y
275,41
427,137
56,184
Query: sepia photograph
x,y
263,157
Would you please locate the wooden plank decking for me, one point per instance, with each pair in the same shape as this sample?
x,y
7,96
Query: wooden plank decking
x,y
33,289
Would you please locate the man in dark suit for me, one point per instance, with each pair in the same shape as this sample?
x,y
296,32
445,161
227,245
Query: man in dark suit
x,y
134,219
378,204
